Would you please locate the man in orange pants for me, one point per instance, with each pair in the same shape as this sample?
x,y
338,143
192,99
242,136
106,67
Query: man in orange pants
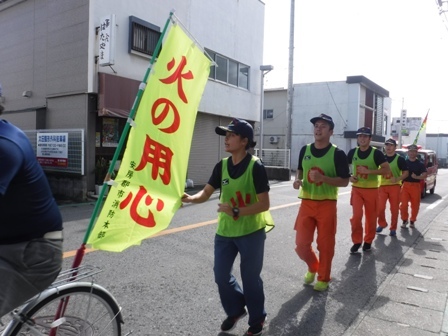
x,y
411,190
367,163
322,169
390,187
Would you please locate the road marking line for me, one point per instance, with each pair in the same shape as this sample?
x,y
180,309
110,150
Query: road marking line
x,y
433,205
69,254
418,289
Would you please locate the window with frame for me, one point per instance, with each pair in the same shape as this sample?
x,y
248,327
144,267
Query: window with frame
x,y
268,114
243,76
143,36
233,73
228,71
221,69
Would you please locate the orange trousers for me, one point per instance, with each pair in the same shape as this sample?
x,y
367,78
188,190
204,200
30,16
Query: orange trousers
x,y
391,193
410,193
364,201
320,215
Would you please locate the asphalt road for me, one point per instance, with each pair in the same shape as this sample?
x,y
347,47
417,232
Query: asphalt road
x,y
166,287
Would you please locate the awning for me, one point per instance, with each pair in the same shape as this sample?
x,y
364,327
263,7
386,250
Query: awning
x,y
116,95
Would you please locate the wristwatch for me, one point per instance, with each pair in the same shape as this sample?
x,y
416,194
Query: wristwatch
x,y
236,212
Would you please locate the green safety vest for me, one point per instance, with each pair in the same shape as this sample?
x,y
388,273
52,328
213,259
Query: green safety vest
x,y
325,165
365,181
395,172
241,192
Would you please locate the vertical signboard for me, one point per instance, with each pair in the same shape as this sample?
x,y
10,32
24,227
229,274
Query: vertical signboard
x,y
403,117
106,41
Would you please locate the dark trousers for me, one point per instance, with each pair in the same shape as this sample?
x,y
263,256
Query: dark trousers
x,y
26,269
233,298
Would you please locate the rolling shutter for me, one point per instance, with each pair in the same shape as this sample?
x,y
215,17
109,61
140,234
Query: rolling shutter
x,y
207,148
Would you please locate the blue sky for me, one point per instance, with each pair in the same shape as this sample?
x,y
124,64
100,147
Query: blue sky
x,y
400,45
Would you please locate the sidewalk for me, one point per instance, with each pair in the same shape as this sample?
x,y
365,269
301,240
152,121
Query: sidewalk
x,y
412,301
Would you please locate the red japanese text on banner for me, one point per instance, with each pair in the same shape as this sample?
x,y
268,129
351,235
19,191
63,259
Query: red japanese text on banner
x,y
151,178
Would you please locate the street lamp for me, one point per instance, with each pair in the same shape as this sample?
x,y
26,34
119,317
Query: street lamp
x,y
264,70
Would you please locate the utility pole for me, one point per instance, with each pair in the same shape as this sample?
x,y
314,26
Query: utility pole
x,y
264,70
289,104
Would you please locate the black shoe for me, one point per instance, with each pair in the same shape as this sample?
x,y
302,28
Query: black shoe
x,y
355,248
255,330
230,322
412,225
367,247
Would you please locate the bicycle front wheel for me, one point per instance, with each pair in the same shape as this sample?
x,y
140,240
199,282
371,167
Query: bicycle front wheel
x,y
90,310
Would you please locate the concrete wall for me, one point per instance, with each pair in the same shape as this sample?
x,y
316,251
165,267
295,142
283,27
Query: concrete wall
x,y
44,50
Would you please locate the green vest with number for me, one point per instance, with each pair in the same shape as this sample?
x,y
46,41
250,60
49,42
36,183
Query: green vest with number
x,y
365,180
240,192
325,165
395,172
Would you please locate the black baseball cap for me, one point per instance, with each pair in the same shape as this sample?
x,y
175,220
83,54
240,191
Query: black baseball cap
x,y
364,130
391,141
412,147
240,127
325,117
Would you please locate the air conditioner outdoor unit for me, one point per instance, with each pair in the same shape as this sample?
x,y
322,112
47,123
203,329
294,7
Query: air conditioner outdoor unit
x,y
273,139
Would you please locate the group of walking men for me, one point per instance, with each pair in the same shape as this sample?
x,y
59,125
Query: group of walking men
x,y
376,178
244,217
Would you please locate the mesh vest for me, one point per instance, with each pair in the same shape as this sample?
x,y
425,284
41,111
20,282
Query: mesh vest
x,y
240,192
365,180
395,172
325,164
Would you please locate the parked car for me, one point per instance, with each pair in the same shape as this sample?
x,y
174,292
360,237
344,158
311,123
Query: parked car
x,y
429,159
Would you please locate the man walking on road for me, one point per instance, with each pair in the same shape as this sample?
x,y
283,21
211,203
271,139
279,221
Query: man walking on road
x,y
411,190
390,187
242,220
322,169
367,163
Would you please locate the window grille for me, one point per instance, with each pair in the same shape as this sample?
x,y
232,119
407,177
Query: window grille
x,y
143,36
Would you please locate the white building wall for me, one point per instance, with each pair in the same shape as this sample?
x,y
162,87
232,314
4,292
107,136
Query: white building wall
x,y
49,47
233,28
340,100
438,143
312,99
276,100
387,116
354,97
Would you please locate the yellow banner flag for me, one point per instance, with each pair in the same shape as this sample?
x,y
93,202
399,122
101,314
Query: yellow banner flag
x,y
151,178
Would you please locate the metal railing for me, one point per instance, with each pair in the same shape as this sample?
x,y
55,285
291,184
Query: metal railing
x,y
275,157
